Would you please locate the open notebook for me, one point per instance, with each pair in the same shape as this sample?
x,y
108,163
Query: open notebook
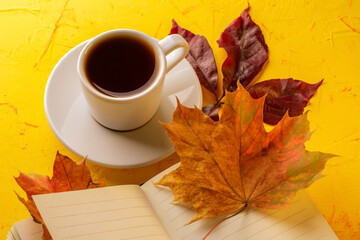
x,y
146,212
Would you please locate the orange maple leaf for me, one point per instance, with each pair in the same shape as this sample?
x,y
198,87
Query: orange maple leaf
x,y
67,176
234,163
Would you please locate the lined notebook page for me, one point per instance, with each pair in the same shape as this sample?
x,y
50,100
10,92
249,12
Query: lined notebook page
x,y
301,220
119,212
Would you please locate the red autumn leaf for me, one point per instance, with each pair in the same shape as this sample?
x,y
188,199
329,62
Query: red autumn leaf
x,y
212,110
67,176
246,49
283,95
200,56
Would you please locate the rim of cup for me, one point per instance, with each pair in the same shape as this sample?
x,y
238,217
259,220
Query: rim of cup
x,y
159,58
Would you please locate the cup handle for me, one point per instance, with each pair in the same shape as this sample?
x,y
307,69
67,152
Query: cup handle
x,y
175,48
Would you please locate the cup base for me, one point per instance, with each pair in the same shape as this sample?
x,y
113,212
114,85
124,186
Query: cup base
x,y
120,130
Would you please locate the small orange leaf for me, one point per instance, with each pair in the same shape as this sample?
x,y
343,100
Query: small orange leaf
x,y
234,163
67,176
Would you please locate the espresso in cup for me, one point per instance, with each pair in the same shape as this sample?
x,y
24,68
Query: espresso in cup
x,y
121,66
122,74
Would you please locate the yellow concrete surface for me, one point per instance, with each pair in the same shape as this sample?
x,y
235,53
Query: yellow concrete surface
x,y
308,40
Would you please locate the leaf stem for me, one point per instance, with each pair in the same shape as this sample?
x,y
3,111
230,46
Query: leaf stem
x,y
222,96
213,228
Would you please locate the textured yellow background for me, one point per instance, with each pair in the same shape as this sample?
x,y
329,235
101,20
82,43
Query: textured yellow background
x,y
308,40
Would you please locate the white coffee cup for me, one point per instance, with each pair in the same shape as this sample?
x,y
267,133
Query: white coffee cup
x,y
131,110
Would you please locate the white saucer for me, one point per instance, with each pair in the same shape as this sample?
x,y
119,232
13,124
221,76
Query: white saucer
x,y
68,117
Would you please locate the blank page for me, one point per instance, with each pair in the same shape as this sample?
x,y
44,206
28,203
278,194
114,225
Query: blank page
x,y
301,220
119,212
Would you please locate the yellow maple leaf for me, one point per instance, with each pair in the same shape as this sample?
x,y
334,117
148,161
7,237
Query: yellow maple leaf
x,y
234,163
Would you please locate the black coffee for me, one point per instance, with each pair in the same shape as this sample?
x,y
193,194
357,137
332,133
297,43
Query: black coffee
x,y
121,66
